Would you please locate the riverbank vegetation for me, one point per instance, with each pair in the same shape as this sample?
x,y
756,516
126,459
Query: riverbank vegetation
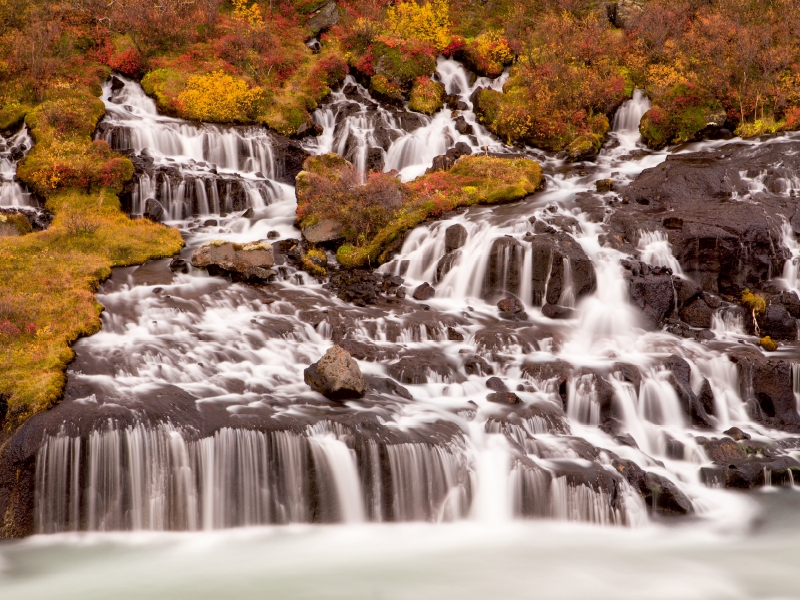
x,y
374,215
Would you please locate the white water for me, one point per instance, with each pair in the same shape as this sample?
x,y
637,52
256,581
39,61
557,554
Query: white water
x,y
12,193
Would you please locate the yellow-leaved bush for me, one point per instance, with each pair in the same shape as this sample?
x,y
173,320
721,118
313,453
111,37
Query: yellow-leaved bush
x,y
218,97
428,22
251,14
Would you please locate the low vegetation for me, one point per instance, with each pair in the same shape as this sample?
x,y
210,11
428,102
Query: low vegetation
x,y
377,213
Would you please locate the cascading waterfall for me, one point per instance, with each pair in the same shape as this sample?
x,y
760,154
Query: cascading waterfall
x,y
225,434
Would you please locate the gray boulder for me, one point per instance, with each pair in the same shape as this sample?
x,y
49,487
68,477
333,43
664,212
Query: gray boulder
x,y
336,376
325,17
326,230
240,261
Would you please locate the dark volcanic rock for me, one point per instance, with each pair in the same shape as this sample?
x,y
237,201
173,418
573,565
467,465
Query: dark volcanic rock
x,y
554,311
153,210
721,242
766,386
697,313
454,237
504,271
424,291
778,324
550,253
650,290
326,230
336,376
680,381
510,304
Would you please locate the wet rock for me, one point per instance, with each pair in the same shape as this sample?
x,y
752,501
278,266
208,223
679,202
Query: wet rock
x,y
475,365
504,398
766,385
554,311
723,244
555,256
737,434
722,450
504,270
323,18
791,302
336,376
496,384
424,291
680,381
366,351
454,237
697,313
453,335
462,126
249,261
665,498
326,230
153,210
706,398
419,368
178,265
778,324
623,13
446,264
753,472
650,290
210,223
511,304
273,235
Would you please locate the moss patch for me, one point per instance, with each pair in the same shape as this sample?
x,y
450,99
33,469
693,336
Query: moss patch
x,y
48,281
379,212
426,96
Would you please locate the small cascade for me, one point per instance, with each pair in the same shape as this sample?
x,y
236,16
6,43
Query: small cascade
x,y
12,150
627,119
189,168
656,251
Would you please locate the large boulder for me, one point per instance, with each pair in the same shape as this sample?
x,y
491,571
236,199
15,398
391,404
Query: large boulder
x,y
553,255
240,261
454,237
336,376
323,18
778,324
690,403
324,231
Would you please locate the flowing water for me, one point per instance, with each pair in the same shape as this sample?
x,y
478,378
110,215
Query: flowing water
x,y
194,414
12,149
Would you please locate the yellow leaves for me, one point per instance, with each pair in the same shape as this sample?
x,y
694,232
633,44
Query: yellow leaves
x,y
429,22
249,14
494,47
218,97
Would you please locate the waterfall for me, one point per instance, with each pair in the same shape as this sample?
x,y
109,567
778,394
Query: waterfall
x,y
12,149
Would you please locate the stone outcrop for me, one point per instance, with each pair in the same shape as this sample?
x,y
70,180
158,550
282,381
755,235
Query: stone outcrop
x,y
240,261
336,376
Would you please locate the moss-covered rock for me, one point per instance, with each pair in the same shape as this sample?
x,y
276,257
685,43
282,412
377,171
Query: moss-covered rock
x,y
403,61
426,96
376,214
386,90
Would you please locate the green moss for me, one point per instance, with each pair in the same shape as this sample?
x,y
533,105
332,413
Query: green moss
x,y
403,61
584,146
426,96
315,262
386,89
18,222
656,129
165,85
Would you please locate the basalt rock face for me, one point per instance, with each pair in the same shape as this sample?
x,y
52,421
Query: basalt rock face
x,y
726,236
560,267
